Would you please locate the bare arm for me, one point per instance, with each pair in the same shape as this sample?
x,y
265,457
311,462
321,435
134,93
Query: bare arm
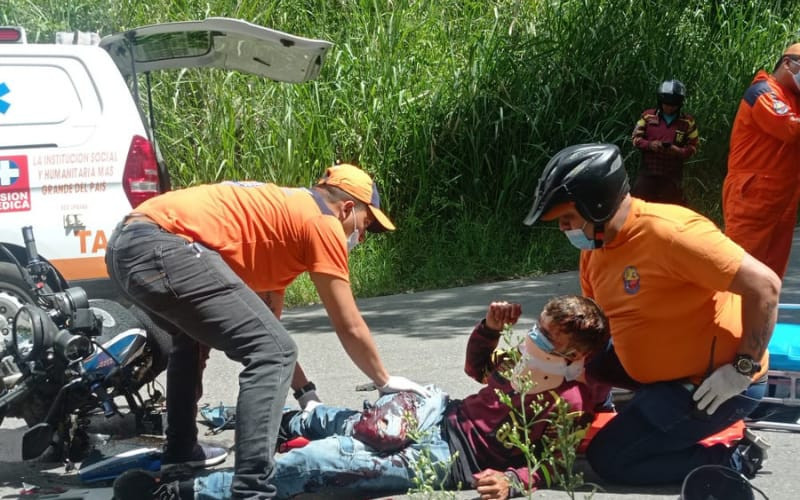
x,y
353,333
760,289
274,301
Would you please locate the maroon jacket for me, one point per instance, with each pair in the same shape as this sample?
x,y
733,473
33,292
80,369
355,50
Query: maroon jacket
x,y
480,416
682,133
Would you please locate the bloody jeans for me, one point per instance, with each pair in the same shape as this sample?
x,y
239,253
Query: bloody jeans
x,y
192,289
334,462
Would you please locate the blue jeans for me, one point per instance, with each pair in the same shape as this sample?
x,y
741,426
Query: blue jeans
x,y
196,294
335,462
655,438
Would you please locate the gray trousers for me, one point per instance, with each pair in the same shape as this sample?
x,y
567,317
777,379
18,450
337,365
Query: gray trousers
x,y
196,295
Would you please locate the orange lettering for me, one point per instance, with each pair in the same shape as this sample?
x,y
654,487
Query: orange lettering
x,y
83,234
100,241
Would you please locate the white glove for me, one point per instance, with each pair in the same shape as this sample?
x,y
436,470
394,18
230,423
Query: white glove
x,y
402,384
719,387
308,401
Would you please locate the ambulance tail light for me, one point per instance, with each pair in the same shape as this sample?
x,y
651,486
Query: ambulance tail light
x,y
12,34
140,178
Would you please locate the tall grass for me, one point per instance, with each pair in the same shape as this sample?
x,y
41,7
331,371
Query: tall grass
x,y
454,105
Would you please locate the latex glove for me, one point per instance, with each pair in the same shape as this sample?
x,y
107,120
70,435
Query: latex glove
x,y
308,401
492,484
402,384
719,387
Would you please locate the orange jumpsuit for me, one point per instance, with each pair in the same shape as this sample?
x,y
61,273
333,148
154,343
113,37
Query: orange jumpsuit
x,y
760,193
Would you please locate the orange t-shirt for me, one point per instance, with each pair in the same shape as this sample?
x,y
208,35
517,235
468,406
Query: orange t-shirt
x,y
661,283
266,233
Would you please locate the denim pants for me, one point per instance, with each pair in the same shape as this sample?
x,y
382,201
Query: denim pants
x,y
336,463
193,291
655,438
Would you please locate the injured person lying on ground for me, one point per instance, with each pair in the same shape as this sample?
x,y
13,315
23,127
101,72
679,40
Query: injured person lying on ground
x,y
385,448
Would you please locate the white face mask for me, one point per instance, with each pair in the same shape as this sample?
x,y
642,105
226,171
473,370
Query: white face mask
x,y
546,370
353,239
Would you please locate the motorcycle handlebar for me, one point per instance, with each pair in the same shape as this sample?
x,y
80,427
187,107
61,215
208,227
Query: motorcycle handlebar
x,y
30,244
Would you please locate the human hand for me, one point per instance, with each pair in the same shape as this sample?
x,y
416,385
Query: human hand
x,y
719,387
402,384
492,484
502,313
656,145
309,400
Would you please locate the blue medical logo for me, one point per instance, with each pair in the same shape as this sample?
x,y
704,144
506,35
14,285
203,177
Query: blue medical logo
x,y
4,105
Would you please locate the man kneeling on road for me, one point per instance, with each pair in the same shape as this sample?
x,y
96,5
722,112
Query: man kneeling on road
x,y
691,315
352,455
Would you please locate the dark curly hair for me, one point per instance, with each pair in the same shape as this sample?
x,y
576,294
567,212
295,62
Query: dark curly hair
x,y
580,317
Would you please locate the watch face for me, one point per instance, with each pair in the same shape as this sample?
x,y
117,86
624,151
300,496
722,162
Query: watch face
x,y
745,366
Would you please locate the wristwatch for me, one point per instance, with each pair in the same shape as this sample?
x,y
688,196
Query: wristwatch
x,y
306,388
746,365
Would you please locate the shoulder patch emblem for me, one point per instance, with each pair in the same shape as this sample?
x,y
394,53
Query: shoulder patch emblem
x,y
779,106
631,280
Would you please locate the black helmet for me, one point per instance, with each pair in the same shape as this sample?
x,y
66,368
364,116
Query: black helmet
x,y
671,92
590,175
716,481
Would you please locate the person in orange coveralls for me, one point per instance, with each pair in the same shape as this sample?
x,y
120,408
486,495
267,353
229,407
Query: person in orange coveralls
x,y
760,192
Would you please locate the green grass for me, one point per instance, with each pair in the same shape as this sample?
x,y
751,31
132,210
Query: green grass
x,y
454,105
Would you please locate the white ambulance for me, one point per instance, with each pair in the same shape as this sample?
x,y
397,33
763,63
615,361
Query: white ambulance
x,y
77,149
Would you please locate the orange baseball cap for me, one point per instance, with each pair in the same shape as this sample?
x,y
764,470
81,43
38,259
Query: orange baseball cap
x,y
557,211
792,50
360,186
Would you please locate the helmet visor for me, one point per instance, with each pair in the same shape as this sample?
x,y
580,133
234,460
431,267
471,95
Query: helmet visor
x,y
671,99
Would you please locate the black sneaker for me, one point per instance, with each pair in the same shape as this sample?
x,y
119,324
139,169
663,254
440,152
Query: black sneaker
x,y
752,451
202,456
140,484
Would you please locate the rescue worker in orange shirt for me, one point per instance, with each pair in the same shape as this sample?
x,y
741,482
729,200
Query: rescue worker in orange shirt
x,y
761,191
212,263
691,314
666,137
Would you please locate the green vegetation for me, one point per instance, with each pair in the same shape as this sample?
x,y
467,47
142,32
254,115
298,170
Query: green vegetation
x,y
454,105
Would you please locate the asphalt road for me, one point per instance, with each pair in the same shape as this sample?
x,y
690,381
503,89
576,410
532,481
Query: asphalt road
x,y
422,336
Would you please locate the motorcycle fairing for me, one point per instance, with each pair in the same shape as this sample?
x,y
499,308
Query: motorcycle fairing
x,y
124,347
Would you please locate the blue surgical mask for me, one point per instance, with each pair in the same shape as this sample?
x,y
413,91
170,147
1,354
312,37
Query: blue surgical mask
x,y
579,240
353,239
539,339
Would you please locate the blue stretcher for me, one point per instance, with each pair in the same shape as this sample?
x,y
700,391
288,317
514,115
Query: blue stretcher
x,y
784,371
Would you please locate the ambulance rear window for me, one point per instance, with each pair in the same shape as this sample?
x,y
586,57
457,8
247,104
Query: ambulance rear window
x,y
37,95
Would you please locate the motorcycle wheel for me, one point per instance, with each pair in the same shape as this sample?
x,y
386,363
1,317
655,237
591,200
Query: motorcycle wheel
x,y
14,293
158,341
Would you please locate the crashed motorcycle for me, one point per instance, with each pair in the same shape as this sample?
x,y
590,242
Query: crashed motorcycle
x,y
66,360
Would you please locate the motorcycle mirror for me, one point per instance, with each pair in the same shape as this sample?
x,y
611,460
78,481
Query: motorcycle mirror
x,y
36,440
